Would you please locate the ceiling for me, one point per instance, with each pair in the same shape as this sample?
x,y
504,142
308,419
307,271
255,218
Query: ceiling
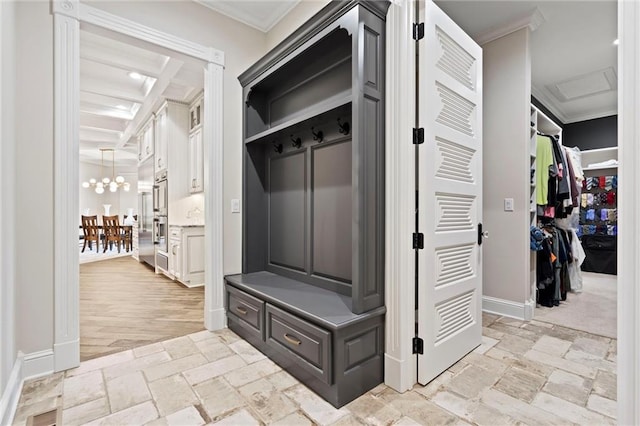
x,y
114,102
573,58
259,14
574,64
574,61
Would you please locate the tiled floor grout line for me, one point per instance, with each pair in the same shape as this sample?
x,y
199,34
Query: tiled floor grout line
x,y
596,385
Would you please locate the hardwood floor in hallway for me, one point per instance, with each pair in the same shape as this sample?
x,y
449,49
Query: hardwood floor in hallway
x,y
124,305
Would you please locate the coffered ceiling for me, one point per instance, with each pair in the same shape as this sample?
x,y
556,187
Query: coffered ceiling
x,y
121,82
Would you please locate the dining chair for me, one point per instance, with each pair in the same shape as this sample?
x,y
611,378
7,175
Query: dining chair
x,y
111,230
91,232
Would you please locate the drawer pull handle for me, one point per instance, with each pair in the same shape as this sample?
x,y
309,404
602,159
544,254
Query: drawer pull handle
x,y
292,340
241,310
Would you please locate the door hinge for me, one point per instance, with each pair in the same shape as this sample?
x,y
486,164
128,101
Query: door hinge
x,y
418,346
418,240
418,136
418,31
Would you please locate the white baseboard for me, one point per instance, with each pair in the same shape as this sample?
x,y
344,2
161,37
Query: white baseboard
x,y
216,319
400,375
11,394
37,364
507,308
66,355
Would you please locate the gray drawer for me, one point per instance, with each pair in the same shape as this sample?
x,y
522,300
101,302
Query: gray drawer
x,y
246,308
309,345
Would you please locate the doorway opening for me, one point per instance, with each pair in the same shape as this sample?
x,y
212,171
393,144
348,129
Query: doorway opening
x,y
67,21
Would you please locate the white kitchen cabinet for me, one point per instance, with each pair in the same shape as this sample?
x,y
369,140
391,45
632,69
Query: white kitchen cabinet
x,y
195,114
146,141
161,140
186,255
196,161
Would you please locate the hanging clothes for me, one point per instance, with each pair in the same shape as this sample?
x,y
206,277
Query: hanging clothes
x,y
544,160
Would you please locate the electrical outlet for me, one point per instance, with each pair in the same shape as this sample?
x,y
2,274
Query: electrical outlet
x,y
508,204
235,205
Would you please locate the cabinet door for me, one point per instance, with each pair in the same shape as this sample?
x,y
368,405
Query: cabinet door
x,y
193,259
196,162
148,140
161,141
174,259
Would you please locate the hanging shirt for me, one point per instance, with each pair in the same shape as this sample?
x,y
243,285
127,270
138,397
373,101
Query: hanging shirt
x,y
544,159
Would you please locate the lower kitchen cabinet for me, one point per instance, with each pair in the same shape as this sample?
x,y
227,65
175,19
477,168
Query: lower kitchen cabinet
x,y
186,255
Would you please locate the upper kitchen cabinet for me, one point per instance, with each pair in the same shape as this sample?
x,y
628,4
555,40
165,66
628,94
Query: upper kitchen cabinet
x,y
195,113
196,162
196,149
172,137
160,160
146,141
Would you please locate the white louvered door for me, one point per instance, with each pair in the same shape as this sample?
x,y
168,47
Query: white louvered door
x,y
450,193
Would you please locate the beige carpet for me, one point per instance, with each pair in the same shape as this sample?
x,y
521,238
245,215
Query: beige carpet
x,y
594,310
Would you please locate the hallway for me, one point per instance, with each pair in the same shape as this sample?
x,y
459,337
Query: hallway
x,y
524,372
125,305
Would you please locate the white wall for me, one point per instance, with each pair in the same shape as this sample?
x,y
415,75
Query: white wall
x,y
296,17
34,204
119,200
7,194
242,46
507,97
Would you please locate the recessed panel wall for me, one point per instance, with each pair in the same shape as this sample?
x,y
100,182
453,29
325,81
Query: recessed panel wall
x,y
287,179
331,211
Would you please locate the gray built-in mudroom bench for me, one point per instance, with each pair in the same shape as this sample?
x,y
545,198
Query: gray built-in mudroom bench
x,y
311,292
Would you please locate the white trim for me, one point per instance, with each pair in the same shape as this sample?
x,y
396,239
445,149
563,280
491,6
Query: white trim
x,y
37,364
628,208
549,103
585,117
66,165
532,20
400,362
67,15
133,29
106,20
11,393
215,317
507,308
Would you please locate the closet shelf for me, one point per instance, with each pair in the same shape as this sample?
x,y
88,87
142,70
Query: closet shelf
x,y
599,168
314,111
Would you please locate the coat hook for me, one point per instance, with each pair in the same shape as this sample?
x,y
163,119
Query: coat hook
x,y
344,127
277,147
317,136
296,142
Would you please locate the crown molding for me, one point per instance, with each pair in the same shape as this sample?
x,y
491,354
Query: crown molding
x,y
532,20
592,116
549,103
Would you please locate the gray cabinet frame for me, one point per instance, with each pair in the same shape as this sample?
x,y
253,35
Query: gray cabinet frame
x,y
313,216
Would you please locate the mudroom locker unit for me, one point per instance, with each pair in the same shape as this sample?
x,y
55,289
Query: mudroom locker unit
x,y
311,292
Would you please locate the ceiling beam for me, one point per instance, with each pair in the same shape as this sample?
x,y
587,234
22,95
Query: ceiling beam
x,y
102,120
95,86
153,99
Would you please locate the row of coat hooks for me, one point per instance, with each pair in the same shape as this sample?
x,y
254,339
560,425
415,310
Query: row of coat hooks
x,y
318,136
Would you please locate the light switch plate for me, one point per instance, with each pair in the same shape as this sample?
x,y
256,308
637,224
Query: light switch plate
x,y
508,204
235,205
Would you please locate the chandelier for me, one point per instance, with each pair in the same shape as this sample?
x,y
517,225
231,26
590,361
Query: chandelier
x,y
112,183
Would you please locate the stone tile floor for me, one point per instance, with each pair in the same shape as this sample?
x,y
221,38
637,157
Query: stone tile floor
x,y
523,373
